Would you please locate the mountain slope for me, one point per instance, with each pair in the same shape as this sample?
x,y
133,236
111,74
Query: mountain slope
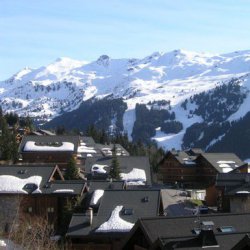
x,y
181,82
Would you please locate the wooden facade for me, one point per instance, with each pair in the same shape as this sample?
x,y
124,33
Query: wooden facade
x,y
173,171
47,157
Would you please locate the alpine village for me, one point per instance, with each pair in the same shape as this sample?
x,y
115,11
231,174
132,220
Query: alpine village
x,y
93,190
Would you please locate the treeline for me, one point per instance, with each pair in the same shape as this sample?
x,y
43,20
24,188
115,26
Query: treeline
x,y
147,120
236,140
218,104
9,123
200,135
138,148
93,111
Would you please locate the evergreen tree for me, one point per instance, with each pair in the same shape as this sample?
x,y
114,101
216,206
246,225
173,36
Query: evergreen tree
x,y
8,145
114,168
71,172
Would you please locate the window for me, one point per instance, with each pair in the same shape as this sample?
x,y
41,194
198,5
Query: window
x,y
145,199
50,210
30,209
128,211
196,231
226,229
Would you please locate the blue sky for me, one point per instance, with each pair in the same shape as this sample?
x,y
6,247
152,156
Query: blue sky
x,y
36,32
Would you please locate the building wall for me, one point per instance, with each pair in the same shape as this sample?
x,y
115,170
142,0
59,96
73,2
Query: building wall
x,y
15,208
211,196
239,204
172,171
206,171
9,205
47,157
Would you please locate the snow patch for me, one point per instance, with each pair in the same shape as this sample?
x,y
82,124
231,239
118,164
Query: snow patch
x,y
32,146
115,223
63,191
96,197
136,175
12,184
87,150
98,168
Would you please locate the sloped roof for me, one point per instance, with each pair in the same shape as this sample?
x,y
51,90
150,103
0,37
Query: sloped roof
x,y
105,185
126,164
217,159
184,158
47,172
64,187
181,228
129,199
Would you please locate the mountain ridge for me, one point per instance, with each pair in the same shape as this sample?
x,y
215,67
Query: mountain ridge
x,y
175,76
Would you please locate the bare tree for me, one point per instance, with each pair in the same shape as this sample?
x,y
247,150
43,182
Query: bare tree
x,y
34,232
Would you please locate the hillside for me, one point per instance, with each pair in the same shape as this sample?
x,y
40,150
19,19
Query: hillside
x,y
178,98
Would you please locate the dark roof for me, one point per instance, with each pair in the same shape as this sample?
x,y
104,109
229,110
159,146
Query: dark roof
x,y
64,187
46,132
26,171
126,164
88,140
48,185
184,158
194,151
129,199
105,185
234,183
79,225
244,243
215,158
50,139
181,228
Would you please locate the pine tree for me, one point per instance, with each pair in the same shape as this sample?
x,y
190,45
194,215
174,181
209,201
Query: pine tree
x,y
71,172
114,168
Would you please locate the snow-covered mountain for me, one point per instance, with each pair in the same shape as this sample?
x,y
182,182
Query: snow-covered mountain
x,y
174,77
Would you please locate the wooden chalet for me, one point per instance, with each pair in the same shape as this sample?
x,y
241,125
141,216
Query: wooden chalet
x,y
233,192
196,169
31,191
48,148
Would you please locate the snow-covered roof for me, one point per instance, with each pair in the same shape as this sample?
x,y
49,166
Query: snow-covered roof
x,y
226,170
85,149
63,191
98,168
243,192
225,162
33,146
12,184
135,174
96,197
115,223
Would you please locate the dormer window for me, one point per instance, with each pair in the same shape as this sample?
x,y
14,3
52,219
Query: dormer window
x,y
23,171
226,229
196,231
128,211
30,187
145,199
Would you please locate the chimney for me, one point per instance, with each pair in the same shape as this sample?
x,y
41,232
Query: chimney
x,y
90,214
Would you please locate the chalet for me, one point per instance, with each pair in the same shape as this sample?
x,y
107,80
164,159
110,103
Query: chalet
x,y
29,191
221,231
196,169
117,213
233,192
135,170
48,149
